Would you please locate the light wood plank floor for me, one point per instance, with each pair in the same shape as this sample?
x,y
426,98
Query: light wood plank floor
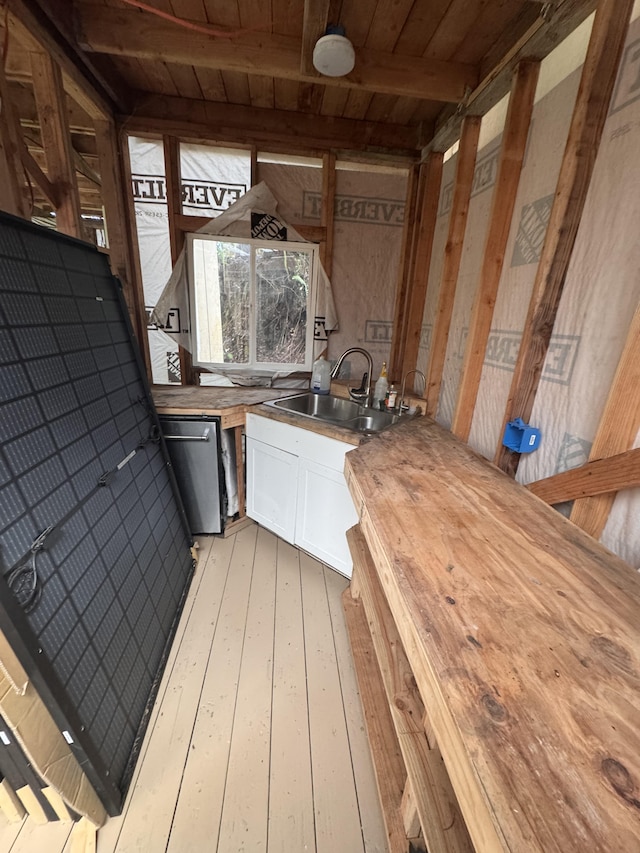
x,y
257,741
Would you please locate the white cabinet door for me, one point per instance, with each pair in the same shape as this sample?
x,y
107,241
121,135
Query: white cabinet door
x,y
325,513
272,483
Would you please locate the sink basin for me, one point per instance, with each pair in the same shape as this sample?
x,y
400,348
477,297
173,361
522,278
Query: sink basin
x,y
322,406
336,410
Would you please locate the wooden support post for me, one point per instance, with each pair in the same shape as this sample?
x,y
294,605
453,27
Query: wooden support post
x,y
617,430
592,104
176,235
420,278
409,231
254,166
56,140
452,256
327,210
610,474
12,199
240,471
114,199
514,143
132,233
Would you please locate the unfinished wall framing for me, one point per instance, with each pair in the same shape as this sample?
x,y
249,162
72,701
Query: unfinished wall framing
x,y
586,340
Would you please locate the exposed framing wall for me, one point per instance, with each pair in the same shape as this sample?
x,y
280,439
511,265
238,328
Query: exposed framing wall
x,y
595,485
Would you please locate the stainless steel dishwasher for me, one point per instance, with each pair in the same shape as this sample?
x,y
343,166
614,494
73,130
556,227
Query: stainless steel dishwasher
x,y
196,457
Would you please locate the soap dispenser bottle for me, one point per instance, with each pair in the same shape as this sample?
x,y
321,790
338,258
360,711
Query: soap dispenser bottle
x,y
321,376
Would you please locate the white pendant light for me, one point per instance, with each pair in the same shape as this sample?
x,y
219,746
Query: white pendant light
x,y
333,54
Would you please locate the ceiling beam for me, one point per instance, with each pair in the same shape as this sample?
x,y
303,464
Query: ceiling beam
x,y
251,125
316,17
556,22
33,28
121,32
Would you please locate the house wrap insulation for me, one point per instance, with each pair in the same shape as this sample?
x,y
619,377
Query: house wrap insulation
x,y
602,285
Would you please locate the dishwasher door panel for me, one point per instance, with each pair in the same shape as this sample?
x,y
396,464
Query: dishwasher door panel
x,y
194,449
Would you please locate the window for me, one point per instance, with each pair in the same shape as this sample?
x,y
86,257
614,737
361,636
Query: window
x,y
252,303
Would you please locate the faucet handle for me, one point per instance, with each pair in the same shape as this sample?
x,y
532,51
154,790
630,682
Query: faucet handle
x,y
361,394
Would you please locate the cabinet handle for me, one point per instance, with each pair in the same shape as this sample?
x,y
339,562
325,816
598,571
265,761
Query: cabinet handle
x,y
203,437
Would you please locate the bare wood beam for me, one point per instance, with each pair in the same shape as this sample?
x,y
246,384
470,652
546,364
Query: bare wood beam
x,y
452,255
315,20
176,235
495,78
327,211
132,235
248,125
600,477
409,234
190,224
12,198
592,103
81,81
42,181
617,429
56,140
115,212
24,101
514,143
420,281
127,33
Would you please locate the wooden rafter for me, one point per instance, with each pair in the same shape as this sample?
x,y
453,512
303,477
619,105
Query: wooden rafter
x,y
514,142
463,183
601,477
592,103
316,14
244,125
540,39
92,91
123,33
420,279
56,140
617,430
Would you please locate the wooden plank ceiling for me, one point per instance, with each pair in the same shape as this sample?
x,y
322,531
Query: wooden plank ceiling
x,y
239,71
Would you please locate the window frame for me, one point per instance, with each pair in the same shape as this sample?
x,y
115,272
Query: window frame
x,y
253,366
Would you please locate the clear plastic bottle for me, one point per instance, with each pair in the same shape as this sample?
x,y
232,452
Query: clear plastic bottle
x,y
380,391
321,376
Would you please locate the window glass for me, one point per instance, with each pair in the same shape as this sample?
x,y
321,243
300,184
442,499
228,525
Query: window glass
x,y
252,303
282,293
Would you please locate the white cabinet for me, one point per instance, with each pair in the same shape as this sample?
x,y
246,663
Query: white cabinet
x,y
272,483
296,488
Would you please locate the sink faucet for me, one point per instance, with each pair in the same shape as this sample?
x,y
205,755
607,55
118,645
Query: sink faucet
x,y
408,373
361,394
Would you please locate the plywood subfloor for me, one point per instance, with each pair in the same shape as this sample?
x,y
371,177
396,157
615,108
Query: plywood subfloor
x,y
257,740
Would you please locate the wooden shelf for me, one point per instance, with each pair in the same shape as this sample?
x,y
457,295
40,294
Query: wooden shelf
x,y
431,792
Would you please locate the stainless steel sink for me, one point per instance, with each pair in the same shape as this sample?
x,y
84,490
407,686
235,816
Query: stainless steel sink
x,y
336,410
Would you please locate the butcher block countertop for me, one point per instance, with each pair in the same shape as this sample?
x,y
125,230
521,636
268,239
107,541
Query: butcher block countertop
x,y
230,404
523,634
